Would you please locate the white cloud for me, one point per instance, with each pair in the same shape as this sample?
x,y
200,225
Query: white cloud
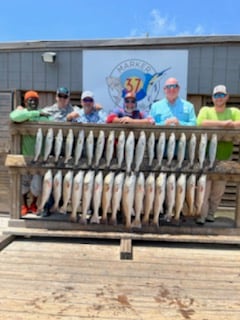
x,y
160,25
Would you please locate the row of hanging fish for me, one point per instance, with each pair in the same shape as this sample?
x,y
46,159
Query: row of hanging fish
x,y
138,197
127,149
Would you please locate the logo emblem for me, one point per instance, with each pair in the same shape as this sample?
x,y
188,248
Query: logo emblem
x,y
138,76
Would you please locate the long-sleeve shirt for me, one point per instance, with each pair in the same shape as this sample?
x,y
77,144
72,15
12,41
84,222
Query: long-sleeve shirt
x,y
180,109
28,141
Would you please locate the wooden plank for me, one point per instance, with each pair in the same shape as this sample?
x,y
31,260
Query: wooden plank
x,y
218,238
13,160
126,248
70,280
5,240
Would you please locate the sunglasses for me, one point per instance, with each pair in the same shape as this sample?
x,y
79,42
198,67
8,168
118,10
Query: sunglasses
x,y
63,96
171,86
130,100
219,95
87,100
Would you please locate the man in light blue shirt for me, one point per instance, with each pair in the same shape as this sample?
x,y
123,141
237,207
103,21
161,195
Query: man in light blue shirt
x,y
90,112
172,110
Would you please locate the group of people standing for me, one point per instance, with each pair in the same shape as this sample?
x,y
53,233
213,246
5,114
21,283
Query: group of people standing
x,y
171,110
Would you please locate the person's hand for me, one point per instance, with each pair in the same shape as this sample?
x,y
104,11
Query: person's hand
x,y
98,107
44,113
125,120
72,115
172,121
20,108
228,123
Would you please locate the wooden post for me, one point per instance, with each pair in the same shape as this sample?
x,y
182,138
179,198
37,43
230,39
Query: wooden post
x,y
237,209
15,186
126,249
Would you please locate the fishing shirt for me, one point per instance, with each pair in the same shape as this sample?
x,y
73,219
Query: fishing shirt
x,y
28,141
224,148
94,117
181,109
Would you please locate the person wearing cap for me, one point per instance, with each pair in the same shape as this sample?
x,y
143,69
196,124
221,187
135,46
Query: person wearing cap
x,y
129,113
62,110
90,112
173,110
222,117
30,184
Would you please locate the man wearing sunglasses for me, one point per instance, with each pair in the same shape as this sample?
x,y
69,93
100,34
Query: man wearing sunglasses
x,y
62,110
173,110
219,116
90,112
129,113
30,184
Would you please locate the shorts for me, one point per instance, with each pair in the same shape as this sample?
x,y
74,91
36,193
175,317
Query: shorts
x,y
32,183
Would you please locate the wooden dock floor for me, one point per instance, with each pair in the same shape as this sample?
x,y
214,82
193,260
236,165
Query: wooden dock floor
x,y
63,279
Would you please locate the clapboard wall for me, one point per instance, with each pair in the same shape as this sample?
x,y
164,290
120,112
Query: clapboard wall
x,y
211,60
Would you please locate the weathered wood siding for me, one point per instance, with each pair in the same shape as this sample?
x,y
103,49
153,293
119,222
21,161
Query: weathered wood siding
x,y
24,70
6,102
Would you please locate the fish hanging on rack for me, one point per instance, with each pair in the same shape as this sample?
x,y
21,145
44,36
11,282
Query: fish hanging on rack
x,y
202,149
116,196
192,149
79,146
190,195
212,150
138,200
69,146
160,193
76,198
128,198
58,144
88,182
38,144
181,148
150,148
97,197
129,151
161,148
149,197
171,144
180,195
110,148
90,147
48,144
57,190
99,147
200,193
120,148
140,150
46,189
170,196
67,190
107,195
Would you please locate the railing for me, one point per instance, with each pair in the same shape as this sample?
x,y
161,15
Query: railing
x,y
19,165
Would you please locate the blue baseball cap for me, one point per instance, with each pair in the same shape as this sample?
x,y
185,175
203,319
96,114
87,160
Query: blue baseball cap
x,y
63,90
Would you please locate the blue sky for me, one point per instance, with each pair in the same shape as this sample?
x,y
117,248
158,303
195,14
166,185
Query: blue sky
x,y
22,20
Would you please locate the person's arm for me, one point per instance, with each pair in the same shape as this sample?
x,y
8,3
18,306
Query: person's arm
x,y
22,114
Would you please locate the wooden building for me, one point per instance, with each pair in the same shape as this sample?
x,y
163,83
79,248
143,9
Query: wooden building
x,y
211,60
